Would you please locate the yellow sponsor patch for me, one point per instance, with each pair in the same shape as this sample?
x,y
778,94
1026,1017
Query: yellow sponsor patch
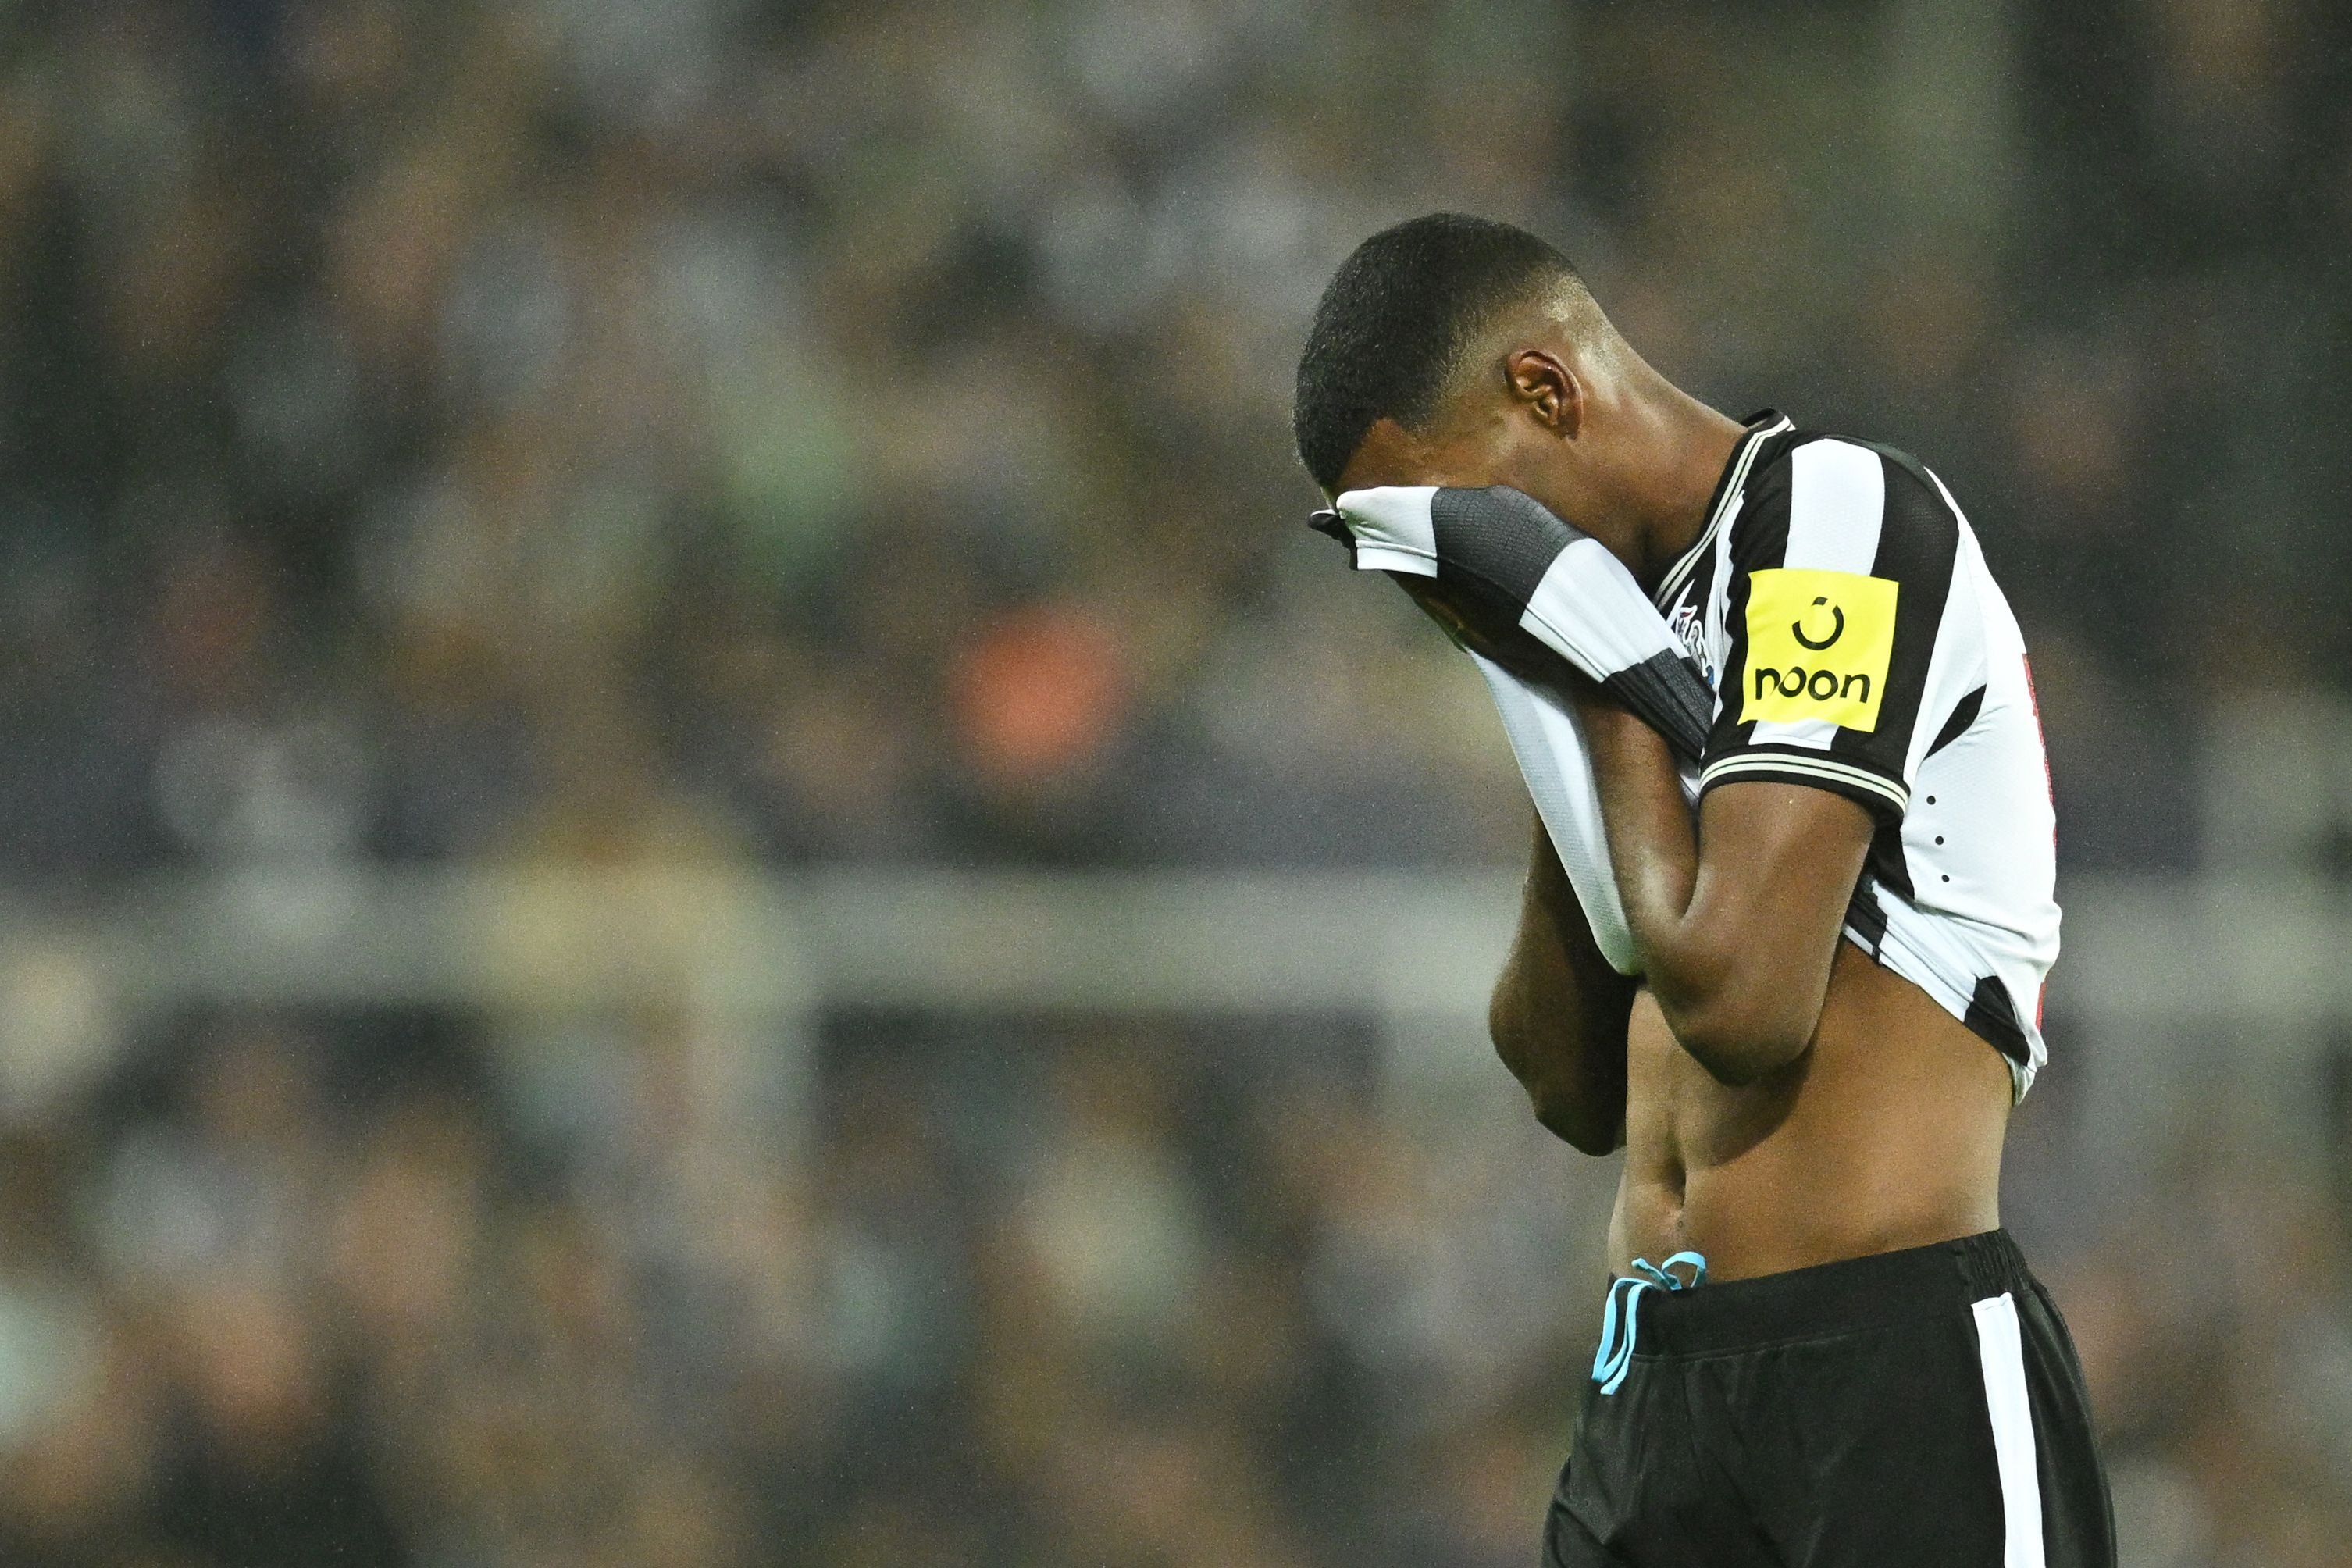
x,y
1818,642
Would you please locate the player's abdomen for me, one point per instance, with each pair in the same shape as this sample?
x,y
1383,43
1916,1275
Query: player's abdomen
x,y
1887,1134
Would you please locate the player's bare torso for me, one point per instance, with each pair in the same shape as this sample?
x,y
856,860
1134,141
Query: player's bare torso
x,y
1886,1133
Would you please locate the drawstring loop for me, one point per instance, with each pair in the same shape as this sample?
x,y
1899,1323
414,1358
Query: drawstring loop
x,y
1614,1357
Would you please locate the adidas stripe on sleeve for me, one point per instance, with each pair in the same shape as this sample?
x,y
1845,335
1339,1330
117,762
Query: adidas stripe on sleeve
x,y
1840,563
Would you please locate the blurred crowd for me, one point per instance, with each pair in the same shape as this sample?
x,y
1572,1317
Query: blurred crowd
x,y
839,430
814,431
369,1289
1123,1295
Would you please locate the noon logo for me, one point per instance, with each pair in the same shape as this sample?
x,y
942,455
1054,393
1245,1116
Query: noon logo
x,y
1818,646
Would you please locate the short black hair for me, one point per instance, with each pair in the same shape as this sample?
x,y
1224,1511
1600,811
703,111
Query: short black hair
x,y
1395,320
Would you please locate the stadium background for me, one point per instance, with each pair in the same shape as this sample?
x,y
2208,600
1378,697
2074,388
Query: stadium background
x,y
696,870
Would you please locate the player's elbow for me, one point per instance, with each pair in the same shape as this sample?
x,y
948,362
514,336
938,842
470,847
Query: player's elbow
x,y
1574,1116
1563,1104
1577,1127
1741,1034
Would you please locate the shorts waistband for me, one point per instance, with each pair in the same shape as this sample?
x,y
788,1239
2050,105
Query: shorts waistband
x,y
1856,1293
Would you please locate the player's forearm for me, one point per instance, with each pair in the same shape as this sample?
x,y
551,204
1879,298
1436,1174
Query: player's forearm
x,y
1716,981
1559,1013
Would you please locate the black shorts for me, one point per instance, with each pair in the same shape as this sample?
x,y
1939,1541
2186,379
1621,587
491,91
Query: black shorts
x,y
1921,1407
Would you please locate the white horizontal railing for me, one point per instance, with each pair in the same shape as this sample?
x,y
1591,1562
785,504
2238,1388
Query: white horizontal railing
x,y
2275,950
750,943
2166,984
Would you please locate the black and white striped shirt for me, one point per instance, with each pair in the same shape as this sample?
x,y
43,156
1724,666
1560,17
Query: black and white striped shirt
x,y
1839,606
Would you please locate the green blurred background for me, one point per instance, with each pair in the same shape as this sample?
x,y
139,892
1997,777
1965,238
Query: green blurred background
x,y
695,869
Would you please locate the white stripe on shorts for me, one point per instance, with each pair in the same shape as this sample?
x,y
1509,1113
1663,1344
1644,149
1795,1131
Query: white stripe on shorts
x,y
2002,1350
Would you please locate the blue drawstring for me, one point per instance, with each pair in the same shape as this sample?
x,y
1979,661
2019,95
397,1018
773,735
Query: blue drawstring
x,y
1614,1356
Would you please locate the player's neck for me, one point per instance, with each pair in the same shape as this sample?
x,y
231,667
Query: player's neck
x,y
1680,448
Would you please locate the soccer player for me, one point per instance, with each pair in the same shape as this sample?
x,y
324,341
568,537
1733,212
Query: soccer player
x,y
1818,1347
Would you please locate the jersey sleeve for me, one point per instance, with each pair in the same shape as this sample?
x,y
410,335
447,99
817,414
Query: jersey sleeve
x,y
1841,562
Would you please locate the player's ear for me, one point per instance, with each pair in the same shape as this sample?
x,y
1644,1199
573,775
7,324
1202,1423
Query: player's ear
x,y
1548,389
